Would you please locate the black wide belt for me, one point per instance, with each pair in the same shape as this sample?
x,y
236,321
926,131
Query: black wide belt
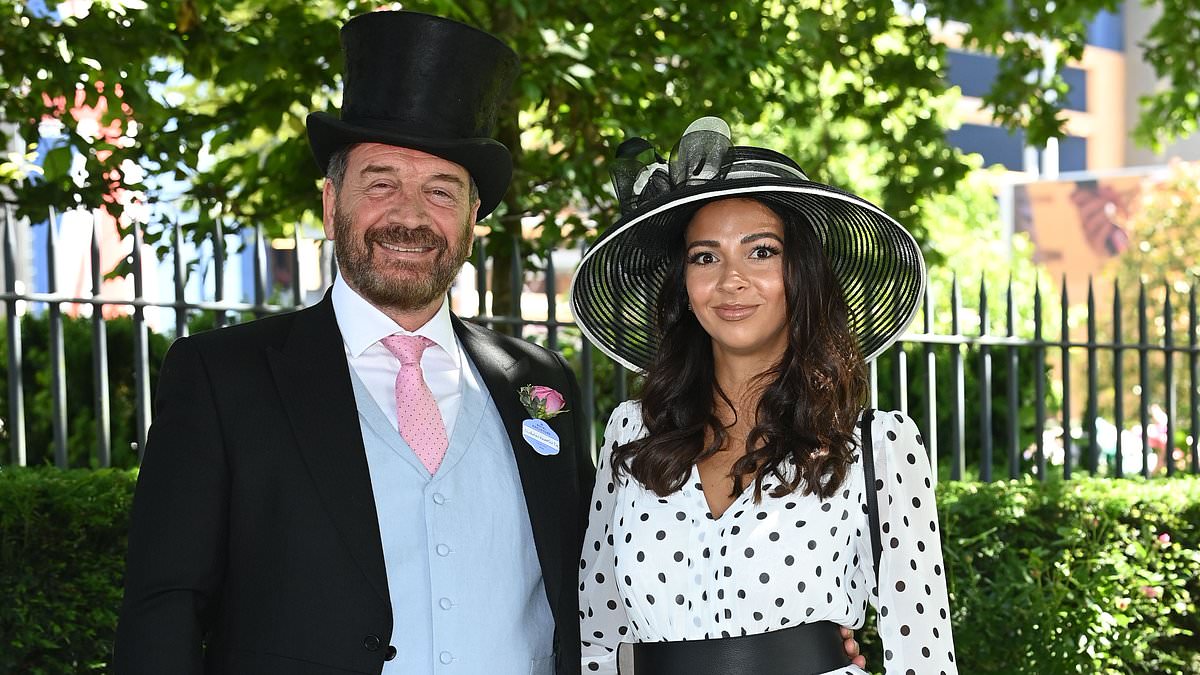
x,y
806,649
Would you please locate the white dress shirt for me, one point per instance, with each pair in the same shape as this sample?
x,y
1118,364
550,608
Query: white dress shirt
x,y
363,326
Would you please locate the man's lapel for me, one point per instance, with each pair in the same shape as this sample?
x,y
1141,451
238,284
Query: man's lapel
x,y
541,478
314,382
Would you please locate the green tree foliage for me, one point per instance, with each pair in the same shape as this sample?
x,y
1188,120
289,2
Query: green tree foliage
x,y
1162,225
219,90
1033,40
1173,111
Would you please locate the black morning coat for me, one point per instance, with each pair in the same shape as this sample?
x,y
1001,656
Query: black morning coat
x,y
254,546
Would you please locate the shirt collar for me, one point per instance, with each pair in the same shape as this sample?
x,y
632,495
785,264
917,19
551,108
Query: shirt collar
x,y
362,324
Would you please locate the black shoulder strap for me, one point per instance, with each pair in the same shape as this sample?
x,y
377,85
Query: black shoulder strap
x,y
872,493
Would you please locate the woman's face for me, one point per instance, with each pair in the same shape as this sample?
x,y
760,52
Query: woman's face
x,y
734,277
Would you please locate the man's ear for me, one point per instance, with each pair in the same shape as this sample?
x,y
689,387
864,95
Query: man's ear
x,y
471,220
328,206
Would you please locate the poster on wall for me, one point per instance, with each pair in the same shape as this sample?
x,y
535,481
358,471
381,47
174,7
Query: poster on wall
x,y
1078,227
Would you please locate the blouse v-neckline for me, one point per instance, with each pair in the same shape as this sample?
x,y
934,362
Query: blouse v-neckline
x,y
697,482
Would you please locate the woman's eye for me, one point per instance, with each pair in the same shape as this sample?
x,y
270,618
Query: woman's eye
x,y
763,252
702,258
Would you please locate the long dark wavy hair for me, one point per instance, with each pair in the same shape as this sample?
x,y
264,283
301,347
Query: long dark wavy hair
x,y
810,400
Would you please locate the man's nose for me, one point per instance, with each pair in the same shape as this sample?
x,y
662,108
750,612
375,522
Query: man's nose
x,y
407,208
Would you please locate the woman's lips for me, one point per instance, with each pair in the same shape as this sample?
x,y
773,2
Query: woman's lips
x,y
734,312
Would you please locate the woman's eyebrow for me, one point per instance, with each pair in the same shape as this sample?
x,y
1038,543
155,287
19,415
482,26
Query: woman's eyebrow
x,y
761,235
712,243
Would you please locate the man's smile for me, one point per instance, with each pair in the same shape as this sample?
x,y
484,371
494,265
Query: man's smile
x,y
407,252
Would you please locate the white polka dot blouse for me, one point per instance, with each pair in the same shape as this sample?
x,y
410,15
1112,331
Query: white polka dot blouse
x,y
664,569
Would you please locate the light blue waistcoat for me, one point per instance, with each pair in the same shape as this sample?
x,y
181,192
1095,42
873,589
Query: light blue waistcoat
x,y
465,583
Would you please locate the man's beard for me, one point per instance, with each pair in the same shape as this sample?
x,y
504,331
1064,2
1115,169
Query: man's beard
x,y
375,280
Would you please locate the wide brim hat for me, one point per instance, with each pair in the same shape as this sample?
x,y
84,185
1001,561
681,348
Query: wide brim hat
x,y
424,82
615,292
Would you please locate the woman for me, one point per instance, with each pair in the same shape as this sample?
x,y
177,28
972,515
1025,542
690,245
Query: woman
x,y
730,529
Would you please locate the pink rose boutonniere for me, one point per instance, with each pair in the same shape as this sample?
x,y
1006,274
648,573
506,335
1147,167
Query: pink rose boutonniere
x,y
542,403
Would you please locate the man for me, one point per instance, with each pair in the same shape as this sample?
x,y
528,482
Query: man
x,y
355,487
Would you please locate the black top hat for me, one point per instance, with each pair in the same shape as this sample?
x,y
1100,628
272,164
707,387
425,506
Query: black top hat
x,y
423,82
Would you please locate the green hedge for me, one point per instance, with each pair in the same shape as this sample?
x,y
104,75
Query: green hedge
x,y
62,554
1090,576
1087,576
1071,577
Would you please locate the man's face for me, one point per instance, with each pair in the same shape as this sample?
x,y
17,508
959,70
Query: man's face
x,y
402,224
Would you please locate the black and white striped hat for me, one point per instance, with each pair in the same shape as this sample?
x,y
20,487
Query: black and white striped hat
x,y
614,294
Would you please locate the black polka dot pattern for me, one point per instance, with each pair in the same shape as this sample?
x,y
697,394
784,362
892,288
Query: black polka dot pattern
x,y
666,569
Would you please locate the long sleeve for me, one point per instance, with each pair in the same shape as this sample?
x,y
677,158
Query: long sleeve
x,y
912,604
603,619
177,535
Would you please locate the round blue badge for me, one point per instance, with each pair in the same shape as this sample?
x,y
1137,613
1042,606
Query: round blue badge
x,y
540,437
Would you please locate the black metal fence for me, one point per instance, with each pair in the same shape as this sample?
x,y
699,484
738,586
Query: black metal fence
x,y
992,389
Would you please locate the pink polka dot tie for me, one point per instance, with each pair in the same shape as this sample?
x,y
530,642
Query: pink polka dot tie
x,y
421,423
